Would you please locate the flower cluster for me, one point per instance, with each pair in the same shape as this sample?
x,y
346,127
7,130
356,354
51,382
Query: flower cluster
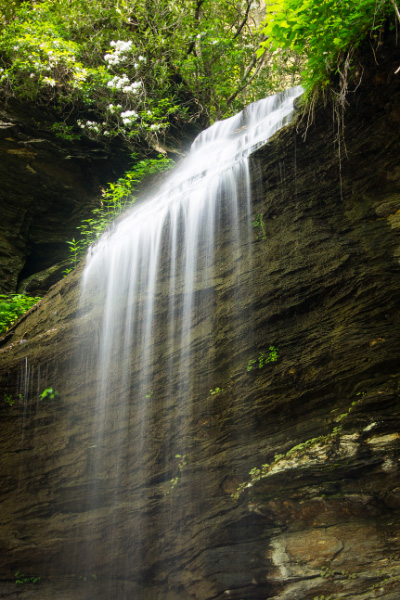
x,y
114,108
117,82
120,52
123,84
129,116
132,88
50,62
90,126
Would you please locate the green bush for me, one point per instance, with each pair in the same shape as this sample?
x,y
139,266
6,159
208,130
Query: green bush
x,y
323,33
118,197
13,306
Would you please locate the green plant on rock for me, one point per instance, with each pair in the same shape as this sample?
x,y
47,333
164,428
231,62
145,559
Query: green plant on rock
x,y
325,34
259,222
48,393
215,391
264,358
65,132
8,399
21,579
182,461
13,306
119,196
299,449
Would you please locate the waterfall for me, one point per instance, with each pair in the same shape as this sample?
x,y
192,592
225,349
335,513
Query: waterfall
x,y
151,299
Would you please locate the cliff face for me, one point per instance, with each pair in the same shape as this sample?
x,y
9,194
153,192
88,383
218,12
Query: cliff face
x,y
319,517
49,185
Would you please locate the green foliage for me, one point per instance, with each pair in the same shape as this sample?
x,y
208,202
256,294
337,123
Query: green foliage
x,y
65,132
323,33
23,579
13,306
118,197
215,391
48,393
264,358
8,399
181,462
299,449
132,67
259,222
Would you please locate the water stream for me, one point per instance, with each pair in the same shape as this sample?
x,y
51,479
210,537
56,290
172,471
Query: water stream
x,y
152,287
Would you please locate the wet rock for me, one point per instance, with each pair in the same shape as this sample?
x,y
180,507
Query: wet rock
x,y
319,519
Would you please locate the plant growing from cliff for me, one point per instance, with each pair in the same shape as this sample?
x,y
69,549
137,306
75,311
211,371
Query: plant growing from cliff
x,y
182,461
13,306
65,132
259,222
118,197
48,393
257,473
325,34
265,357
215,391
21,579
8,399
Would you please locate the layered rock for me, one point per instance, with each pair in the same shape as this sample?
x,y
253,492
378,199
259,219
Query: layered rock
x,y
49,184
318,428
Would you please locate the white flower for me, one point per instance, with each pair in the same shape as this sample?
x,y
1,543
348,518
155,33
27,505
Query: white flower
x,y
121,48
118,82
49,81
129,114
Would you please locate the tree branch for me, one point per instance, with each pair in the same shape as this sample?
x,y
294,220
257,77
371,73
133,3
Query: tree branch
x,y
243,23
245,82
396,9
192,46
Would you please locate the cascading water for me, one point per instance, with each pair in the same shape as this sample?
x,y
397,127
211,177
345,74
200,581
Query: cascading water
x,y
151,295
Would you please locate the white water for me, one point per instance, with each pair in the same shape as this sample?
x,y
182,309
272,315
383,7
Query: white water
x,y
161,260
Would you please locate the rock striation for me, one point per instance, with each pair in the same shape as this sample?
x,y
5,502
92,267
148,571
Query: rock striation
x,y
49,185
290,486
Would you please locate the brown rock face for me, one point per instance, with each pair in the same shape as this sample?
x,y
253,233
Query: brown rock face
x,y
48,186
319,518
